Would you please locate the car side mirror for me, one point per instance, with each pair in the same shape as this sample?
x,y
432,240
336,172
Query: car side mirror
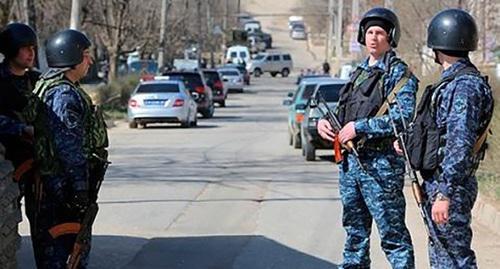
x,y
287,102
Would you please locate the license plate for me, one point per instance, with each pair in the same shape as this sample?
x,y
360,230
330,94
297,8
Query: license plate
x,y
154,102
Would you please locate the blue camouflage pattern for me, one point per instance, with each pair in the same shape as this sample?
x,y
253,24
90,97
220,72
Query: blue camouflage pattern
x,y
65,110
465,106
375,191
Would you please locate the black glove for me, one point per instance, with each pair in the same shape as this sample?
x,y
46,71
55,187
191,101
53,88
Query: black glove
x,y
80,201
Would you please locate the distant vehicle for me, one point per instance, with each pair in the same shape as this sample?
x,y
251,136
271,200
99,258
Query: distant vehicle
x,y
195,82
161,101
256,44
244,18
219,89
346,71
232,78
143,66
310,138
297,105
271,62
238,54
295,20
243,70
252,26
186,64
298,32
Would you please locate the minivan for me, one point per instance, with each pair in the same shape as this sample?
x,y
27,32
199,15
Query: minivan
x,y
271,62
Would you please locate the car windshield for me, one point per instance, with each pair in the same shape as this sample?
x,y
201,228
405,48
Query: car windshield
x,y
229,73
330,92
158,88
308,91
211,77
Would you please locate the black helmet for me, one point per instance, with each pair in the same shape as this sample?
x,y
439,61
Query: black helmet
x,y
382,14
65,48
452,30
15,36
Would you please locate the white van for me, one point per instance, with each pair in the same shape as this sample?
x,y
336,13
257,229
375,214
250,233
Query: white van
x,y
238,54
252,26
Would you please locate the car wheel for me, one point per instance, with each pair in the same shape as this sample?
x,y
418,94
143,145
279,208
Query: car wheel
x,y
285,72
310,151
195,121
273,74
144,125
185,124
303,143
257,72
222,103
132,124
296,142
290,138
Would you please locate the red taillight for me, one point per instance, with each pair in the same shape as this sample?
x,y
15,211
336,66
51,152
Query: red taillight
x,y
200,89
179,102
299,117
133,103
218,85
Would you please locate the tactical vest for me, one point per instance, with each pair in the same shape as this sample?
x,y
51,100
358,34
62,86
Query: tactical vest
x,y
95,140
425,140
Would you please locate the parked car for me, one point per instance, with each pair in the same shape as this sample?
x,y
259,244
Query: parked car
x,y
297,105
266,38
219,89
271,62
256,44
232,78
252,26
242,68
298,32
310,139
294,20
197,86
243,18
161,101
238,54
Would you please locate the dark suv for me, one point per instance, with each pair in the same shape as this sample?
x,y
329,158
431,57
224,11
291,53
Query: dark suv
x,y
196,84
214,81
311,141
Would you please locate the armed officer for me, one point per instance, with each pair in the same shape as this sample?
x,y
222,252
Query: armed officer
x,y
374,190
447,139
18,44
70,142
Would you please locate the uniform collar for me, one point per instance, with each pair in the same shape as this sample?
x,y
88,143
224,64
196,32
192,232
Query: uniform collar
x,y
380,64
462,63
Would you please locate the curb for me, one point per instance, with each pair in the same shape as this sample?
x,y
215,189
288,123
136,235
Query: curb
x,y
486,214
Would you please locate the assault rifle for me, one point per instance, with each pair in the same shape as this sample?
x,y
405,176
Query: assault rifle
x,y
320,103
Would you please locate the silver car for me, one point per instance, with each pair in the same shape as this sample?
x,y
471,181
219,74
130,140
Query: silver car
x,y
232,78
161,101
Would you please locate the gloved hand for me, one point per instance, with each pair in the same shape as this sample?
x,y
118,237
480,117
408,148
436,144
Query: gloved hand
x,y
80,201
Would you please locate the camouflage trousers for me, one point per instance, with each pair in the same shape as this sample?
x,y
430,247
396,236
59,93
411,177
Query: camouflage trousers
x,y
374,194
455,237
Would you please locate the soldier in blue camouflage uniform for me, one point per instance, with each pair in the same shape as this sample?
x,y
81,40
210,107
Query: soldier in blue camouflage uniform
x,y
68,134
375,191
464,109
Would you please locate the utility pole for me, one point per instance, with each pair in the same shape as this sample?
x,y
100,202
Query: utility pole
x,y
163,25
200,35
75,14
329,34
224,26
239,6
210,34
338,32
